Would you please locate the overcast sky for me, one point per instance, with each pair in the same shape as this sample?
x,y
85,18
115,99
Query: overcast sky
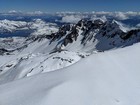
x,y
70,5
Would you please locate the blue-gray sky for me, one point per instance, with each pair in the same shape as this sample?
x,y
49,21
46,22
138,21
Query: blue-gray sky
x,y
70,5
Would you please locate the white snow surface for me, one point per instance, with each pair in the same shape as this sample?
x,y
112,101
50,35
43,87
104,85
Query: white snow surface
x,y
108,78
24,65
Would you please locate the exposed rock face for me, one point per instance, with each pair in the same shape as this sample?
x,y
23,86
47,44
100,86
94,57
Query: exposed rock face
x,y
4,51
131,33
111,29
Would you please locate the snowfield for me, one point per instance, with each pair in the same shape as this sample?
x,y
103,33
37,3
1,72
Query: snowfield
x,y
107,78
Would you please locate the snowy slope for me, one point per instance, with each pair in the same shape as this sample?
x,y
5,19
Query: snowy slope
x,y
109,78
25,65
44,53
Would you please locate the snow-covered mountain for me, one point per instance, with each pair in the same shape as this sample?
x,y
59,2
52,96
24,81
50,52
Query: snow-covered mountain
x,y
22,28
49,51
58,51
109,78
9,26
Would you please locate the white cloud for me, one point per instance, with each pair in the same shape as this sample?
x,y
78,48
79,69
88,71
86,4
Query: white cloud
x,y
12,11
71,19
121,15
131,13
103,13
138,25
38,12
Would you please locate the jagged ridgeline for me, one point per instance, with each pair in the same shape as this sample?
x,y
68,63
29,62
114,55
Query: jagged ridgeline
x,y
86,36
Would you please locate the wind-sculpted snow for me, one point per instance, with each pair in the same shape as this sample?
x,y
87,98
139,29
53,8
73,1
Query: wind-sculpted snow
x,y
108,78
